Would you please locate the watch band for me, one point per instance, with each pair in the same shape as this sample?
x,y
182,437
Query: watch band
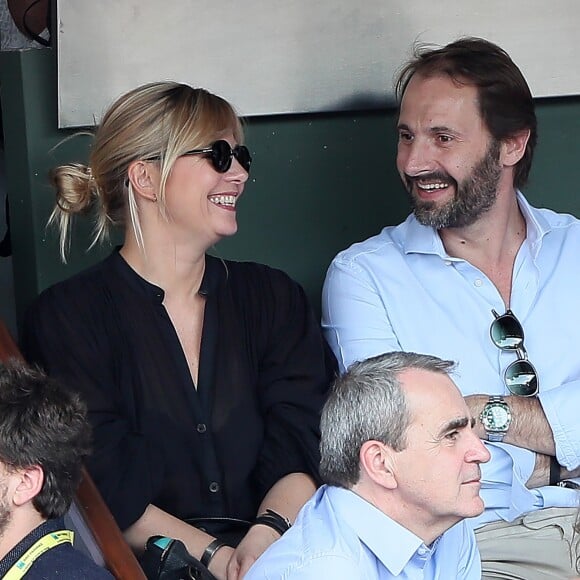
x,y
495,436
496,399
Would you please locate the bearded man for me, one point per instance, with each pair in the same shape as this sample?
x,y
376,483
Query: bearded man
x,y
472,267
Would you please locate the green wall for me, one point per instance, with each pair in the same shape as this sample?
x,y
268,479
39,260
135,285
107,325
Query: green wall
x,y
318,183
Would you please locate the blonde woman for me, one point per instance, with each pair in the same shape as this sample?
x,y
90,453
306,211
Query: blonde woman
x,y
204,378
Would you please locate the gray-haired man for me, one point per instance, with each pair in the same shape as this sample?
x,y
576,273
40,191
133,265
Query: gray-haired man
x,y
401,466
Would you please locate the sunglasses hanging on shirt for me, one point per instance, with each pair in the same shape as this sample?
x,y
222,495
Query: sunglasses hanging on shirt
x,y
520,377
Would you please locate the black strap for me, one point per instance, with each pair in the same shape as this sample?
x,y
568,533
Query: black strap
x,y
554,471
274,520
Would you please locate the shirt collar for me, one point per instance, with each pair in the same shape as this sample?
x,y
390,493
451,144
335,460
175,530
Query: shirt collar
x,y
537,226
420,239
373,527
216,273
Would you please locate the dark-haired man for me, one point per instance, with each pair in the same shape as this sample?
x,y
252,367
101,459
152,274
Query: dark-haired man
x,y
462,277
44,436
401,465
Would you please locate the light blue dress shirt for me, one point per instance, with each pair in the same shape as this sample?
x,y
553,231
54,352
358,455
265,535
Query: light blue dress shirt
x,y
400,290
338,535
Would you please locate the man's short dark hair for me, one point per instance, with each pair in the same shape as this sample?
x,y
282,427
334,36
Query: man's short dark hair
x,y
44,424
505,101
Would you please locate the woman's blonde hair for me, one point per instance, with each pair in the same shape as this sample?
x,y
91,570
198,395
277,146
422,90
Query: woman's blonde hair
x,y
157,121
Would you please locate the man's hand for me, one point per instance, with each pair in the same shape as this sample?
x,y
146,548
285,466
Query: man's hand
x,y
253,545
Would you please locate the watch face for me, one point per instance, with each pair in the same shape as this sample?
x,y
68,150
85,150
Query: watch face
x,y
496,417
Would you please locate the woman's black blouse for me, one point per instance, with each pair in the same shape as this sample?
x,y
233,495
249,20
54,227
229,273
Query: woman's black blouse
x,y
216,450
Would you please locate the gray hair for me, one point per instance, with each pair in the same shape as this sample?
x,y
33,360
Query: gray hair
x,y
368,404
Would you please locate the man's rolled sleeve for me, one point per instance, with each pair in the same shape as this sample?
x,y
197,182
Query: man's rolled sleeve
x,y
504,479
561,406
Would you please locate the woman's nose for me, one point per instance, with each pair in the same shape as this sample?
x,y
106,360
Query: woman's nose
x,y
237,173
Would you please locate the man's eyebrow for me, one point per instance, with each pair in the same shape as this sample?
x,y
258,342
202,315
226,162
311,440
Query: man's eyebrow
x,y
459,423
443,129
433,130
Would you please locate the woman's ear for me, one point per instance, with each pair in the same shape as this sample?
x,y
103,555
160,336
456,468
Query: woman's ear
x,y
144,177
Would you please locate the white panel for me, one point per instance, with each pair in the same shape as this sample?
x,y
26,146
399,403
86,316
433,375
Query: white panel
x,y
272,57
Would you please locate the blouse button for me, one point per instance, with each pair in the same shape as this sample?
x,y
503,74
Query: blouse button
x,y
214,486
201,428
478,282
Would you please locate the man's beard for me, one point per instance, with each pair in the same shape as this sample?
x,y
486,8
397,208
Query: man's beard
x,y
473,196
5,514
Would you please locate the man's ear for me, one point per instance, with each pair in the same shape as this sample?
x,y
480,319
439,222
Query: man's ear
x,y
27,485
376,461
144,177
514,147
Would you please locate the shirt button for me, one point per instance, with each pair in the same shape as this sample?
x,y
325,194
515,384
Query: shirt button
x,y
201,428
448,262
214,486
478,282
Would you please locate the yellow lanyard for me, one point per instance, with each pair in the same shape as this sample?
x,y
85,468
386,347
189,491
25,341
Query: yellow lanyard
x,y
45,543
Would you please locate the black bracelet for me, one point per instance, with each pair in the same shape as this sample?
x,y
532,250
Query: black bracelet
x,y
210,551
554,471
274,520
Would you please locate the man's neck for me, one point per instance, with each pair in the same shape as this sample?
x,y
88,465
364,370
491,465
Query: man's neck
x,y
17,529
491,243
425,528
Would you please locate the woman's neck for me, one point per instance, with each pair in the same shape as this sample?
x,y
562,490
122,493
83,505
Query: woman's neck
x,y
176,268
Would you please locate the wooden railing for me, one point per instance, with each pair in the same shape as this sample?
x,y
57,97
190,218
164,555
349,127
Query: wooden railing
x,y
116,553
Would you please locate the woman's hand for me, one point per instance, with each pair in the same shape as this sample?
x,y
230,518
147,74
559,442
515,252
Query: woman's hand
x,y
253,545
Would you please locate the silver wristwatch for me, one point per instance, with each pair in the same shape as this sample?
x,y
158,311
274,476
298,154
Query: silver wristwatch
x,y
496,418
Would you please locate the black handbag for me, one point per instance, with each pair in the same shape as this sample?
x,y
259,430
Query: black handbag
x,y
168,559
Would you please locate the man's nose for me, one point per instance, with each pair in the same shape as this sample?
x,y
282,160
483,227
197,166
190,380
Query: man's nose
x,y
415,158
477,452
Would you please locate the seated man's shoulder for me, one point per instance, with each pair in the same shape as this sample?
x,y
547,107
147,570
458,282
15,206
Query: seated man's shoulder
x,y
559,220
316,544
67,562
310,566
384,242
